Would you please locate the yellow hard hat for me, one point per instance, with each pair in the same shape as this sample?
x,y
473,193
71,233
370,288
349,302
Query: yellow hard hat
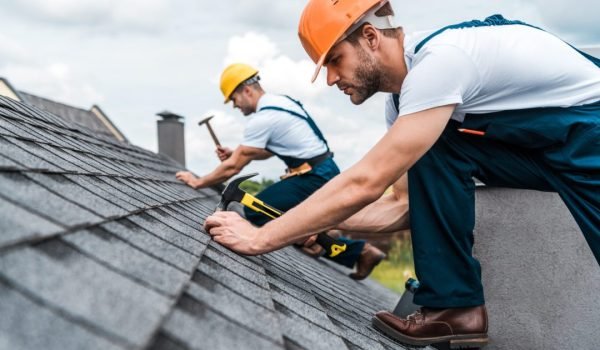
x,y
233,76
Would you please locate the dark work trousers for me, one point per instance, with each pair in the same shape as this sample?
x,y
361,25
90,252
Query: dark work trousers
x,y
286,194
546,149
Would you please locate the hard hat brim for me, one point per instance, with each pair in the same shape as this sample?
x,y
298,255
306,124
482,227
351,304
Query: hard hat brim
x,y
319,66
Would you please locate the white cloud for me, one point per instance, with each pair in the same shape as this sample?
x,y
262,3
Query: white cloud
x,y
56,80
251,48
59,49
11,50
145,15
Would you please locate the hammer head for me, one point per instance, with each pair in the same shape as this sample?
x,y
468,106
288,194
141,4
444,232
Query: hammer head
x,y
205,120
233,192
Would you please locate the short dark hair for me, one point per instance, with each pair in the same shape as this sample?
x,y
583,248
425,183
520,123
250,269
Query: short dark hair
x,y
252,82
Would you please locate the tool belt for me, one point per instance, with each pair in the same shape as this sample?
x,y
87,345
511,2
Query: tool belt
x,y
307,166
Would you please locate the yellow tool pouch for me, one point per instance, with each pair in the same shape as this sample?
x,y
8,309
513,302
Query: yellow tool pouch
x,y
300,170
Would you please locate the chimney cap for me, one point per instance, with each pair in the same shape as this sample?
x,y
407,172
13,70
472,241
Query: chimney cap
x,y
168,115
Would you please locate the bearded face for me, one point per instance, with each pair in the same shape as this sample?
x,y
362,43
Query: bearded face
x,y
367,77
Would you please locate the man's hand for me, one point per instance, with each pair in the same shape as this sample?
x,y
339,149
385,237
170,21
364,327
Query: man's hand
x,y
223,152
232,231
311,247
187,177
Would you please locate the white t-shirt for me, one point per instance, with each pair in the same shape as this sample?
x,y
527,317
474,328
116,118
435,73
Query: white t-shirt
x,y
282,132
490,69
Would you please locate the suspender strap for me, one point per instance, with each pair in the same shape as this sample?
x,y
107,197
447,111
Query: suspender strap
x,y
292,162
396,99
306,117
495,20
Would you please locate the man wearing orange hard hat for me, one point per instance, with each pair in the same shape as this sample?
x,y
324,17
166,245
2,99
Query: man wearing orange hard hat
x,y
496,99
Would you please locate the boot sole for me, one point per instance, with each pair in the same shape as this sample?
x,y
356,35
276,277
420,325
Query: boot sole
x,y
460,341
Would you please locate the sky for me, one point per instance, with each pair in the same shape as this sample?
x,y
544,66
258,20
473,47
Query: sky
x,y
135,58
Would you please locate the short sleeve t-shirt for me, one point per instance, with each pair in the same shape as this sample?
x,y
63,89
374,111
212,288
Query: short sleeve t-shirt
x,y
281,132
490,69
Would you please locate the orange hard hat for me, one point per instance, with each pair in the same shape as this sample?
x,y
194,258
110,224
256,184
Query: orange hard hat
x,y
324,23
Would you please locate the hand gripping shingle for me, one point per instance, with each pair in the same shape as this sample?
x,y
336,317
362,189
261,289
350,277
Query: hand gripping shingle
x,y
233,193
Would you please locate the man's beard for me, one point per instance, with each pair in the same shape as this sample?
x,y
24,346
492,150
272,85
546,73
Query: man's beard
x,y
368,78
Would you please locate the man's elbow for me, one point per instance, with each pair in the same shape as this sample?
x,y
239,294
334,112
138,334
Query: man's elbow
x,y
366,190
233,170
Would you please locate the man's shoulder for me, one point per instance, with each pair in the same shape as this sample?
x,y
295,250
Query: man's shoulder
x,y
279,102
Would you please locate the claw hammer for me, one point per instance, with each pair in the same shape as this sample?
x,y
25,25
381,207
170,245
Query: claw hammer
x,y
233,193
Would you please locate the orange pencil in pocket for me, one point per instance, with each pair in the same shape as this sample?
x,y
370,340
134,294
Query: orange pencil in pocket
x,y
472,132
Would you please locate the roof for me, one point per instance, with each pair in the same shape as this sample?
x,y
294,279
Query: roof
x,y
93,119
101,248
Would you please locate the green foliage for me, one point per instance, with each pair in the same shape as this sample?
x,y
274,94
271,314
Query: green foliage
x,y
253,187
397,267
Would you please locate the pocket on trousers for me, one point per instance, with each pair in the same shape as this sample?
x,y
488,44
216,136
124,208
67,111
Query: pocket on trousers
x,y
519,136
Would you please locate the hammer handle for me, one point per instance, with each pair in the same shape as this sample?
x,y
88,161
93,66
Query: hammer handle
x,y
212,134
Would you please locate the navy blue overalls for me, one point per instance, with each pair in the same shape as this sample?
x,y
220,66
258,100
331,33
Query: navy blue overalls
x,y
289,192
547,149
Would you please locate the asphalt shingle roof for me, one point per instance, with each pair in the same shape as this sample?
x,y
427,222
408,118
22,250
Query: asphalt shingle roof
x,y
82,117
101,248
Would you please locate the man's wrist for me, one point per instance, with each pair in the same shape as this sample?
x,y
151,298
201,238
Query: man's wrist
x,y
196,183
262,242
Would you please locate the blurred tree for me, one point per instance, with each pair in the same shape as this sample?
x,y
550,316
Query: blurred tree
x,y
254,187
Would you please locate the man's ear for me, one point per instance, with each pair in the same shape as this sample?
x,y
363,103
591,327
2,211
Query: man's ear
x,y
371,36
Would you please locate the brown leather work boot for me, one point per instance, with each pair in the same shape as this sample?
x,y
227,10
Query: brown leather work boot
x,y
370,256
461,327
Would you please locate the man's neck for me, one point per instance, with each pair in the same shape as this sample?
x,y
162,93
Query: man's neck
x,y
256,95
393,64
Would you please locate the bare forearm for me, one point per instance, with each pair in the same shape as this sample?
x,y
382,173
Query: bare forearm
x,y
346,194
333,203
388,214
221,174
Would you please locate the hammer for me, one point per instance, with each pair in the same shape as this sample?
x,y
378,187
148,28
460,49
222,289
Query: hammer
x,y
210,130
233,193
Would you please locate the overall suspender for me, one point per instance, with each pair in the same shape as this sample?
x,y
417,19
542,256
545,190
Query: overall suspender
x,y
292,162
495,20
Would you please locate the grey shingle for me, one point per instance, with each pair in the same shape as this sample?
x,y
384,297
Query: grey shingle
x,y
82,288
196,327
179,223
103,190
234,282
152,244
53,156
132,192
236,306
129,260
312,313
9,164
72,162
178,239
306,333
8,129
12,151
18,224
76,193
28,194
26,325
256,276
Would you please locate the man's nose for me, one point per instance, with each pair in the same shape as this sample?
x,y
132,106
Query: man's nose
x,y
332,76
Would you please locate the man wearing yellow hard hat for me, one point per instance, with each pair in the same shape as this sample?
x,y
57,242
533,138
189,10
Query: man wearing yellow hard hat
x,y
495,99
279,125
